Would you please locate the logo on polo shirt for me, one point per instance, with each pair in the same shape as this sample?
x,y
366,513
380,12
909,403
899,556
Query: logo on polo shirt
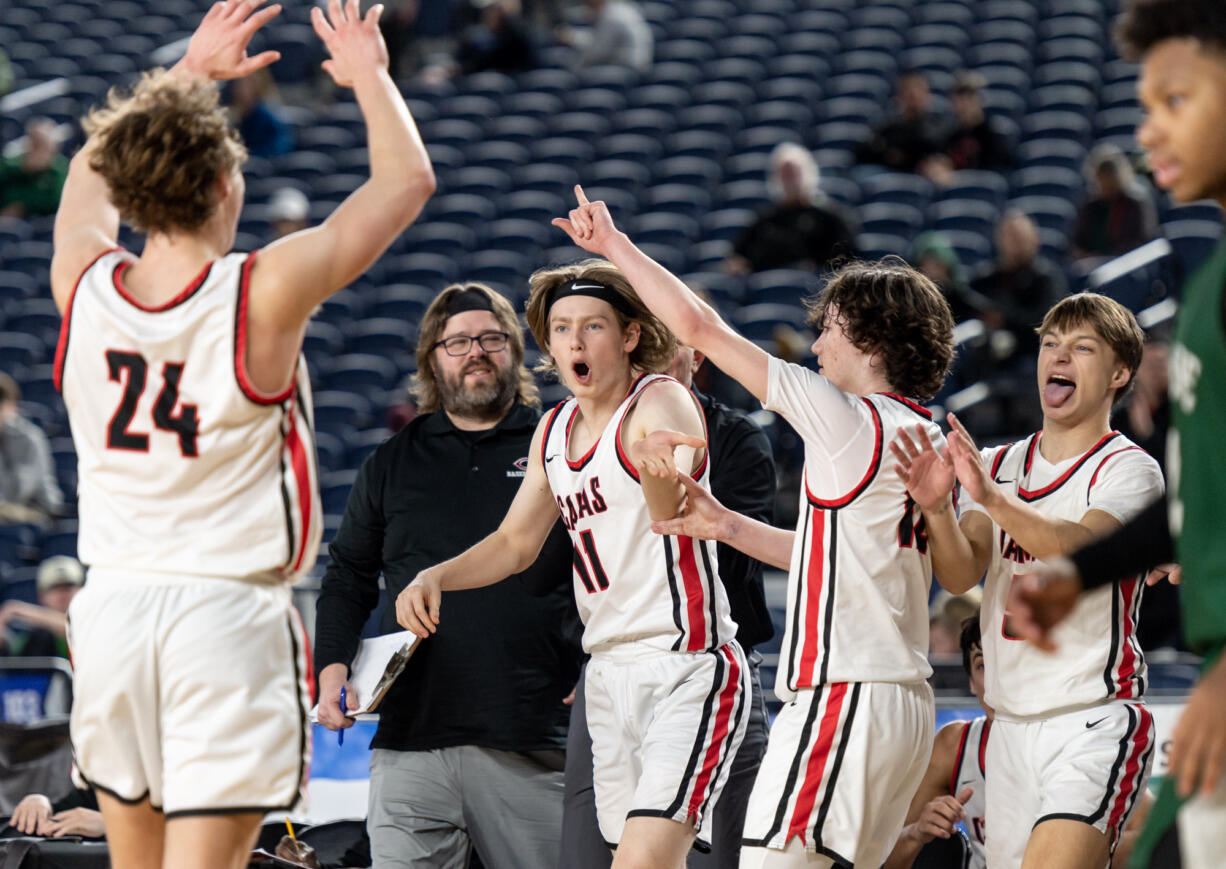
x,y
519,468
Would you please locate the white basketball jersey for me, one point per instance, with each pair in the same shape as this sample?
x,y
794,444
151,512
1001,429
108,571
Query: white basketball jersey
x,y
1098,657
969,773
631,585
184,467
860,569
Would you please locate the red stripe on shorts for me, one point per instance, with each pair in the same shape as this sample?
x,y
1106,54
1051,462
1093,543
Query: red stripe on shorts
x,y
1132,771
806,798
719,732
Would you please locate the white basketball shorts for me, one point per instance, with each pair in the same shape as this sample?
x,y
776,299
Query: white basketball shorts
x,y
1085,766
841,766
191,692
665,727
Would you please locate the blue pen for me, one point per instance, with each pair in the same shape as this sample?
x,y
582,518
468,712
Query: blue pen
x,y
340,734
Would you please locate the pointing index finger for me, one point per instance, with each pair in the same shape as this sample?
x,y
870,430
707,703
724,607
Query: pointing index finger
x,y
580,195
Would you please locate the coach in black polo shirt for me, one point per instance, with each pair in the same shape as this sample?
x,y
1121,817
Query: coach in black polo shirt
x,y
743,479
470,742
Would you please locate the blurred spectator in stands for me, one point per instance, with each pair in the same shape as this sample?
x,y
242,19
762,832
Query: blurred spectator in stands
x,y
288,210
500,40
933,254
802,229
39,630
945,616
30,182
1018,288
28,490
1120,215
913,134
973,143
75,815
399,28
251,99
6,73
617,34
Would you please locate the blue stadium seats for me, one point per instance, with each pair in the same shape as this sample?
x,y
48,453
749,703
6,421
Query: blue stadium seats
x,y
759,321
426,269
404,302
1193,240
891,218
20,349
501,154
361,371
628,175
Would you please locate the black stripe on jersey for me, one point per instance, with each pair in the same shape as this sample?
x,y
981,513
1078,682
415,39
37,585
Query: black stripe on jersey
x,y
801,591
983,746
832,560
1125,744
553,417
1135,639
832,782
909,404
285,500
700,739
785,799
1115,640
734,724
674,591
709,591
998,461
1030,448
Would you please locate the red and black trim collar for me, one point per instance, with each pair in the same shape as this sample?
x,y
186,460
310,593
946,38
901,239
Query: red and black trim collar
x,y
1102,464
187,292
873,467
578,464
906,402
1035,494
628,466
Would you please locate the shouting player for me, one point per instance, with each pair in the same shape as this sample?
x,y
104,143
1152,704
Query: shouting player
x,y
191,414
1072,742
852,741
667,684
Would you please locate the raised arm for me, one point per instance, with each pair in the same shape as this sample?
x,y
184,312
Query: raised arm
x,y
960,550
86,223
296,273
694,322
510,549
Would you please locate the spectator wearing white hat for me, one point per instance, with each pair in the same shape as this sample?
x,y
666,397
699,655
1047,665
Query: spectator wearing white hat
x,y
288,210
39,630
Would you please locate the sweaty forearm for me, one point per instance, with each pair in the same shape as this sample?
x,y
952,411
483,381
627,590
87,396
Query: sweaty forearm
x,y
1140,544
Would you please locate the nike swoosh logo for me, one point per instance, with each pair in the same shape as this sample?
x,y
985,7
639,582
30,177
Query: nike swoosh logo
x,y
551,458
574,287
1090,725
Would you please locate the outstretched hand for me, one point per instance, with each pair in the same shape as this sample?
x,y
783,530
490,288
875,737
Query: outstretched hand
x,y
702,516
355,43
589,225
968,463
927,474
218,48
655,454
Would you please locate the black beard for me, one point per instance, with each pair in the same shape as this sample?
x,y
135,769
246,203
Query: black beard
x,y
486,402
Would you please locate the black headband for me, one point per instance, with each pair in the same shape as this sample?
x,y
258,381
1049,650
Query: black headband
x,y
595,289
469,300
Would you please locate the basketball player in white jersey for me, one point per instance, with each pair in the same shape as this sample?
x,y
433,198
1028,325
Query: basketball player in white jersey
x,y
852,741
190,410
667,684
1072,743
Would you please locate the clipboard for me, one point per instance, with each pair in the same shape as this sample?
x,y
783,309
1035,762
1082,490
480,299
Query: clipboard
x,y
375,667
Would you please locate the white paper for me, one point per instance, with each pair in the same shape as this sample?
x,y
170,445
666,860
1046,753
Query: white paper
x,y
370,665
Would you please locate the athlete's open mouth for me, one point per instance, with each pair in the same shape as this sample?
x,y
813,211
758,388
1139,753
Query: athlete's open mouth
x,y
1058,390
582,372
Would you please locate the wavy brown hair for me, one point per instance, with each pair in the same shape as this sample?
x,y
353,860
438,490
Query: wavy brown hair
x,y
160,148
434,321
1114,323
656,346
890,309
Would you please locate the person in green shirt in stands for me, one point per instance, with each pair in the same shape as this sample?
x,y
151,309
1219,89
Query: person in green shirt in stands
x,y
30,182
1181,45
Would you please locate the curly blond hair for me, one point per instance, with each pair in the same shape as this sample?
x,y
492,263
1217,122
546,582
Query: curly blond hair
x,y
656,346
160,148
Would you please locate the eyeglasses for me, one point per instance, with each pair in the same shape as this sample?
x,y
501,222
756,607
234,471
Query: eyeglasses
x,y
461,345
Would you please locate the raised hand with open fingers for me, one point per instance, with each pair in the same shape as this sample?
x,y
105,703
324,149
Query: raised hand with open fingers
x,y
589,225
354,42
927,473
31,815
968,462
655,453
702,516
218,48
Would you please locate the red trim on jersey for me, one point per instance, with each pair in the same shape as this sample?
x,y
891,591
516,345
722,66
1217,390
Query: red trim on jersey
x,y
918,408
309,675
814,577
1128,655
302,481
1030,495
873,466
695,597
816,769
1132,771
578,465
719,732
61,344
1030,448
240,346
624,458
983,746
183,296
1107,458
953,776
997,462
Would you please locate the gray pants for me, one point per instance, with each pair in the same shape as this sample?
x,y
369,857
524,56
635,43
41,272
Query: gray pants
x,y
429,808
582,845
